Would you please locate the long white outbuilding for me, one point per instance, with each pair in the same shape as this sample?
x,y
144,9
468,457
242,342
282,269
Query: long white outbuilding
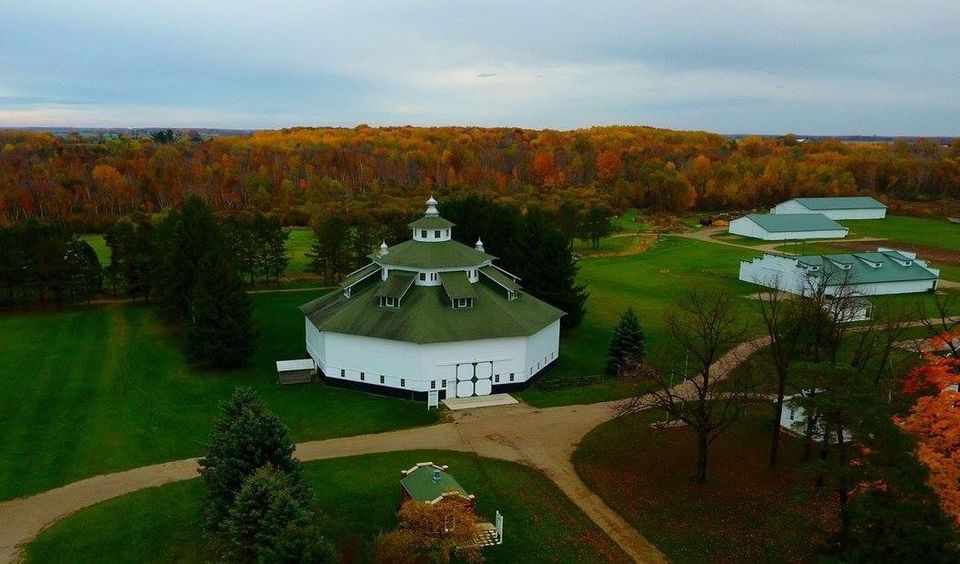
x,y
841,207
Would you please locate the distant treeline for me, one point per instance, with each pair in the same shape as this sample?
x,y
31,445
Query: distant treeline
x,y
46,262
295,173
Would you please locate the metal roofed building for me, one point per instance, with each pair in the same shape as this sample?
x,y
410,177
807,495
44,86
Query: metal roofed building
x,y
886,271
431,483
431,314
844,207
771,227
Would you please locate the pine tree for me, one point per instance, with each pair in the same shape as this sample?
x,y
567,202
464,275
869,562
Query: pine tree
x,y
220,332
246,437
184,238
628,342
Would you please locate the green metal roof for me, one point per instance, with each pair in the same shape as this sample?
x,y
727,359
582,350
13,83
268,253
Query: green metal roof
x,y
422,486
779,223
432,254
426,316
358,275
862,271
839,203
396,284
431,222
457,285
500,278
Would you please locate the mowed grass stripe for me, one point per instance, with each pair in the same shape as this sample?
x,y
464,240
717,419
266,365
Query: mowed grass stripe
x,y
102,389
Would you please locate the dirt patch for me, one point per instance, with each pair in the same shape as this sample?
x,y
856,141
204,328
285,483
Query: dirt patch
x,y
931,254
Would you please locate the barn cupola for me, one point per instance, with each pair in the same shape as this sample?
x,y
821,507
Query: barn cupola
x,y
431,228
479,245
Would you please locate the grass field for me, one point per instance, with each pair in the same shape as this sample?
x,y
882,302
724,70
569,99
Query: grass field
x,y
938,233
745,513
100,389
359,496
650,283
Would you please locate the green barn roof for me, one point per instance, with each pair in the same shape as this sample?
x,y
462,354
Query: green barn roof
x,y
839,203
426,315
500,278
431,222
396,284
457,285
779,223
432,254
869,268
427,482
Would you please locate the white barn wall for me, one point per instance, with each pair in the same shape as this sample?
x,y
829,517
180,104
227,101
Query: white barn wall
x,y
792,206
748,228
420,364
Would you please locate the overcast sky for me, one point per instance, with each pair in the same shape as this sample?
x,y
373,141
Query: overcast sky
x,y
773,66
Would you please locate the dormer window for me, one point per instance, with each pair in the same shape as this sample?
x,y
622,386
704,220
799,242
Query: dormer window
x,y
423,233
387,301
436,234
462,303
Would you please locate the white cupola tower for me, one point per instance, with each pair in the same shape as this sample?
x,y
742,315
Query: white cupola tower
x,y
479,245
431,228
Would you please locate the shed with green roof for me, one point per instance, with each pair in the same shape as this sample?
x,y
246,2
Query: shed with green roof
x,y
787,227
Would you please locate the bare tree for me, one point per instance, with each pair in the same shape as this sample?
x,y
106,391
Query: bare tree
x,y
943,321
705,325
779,313
876,340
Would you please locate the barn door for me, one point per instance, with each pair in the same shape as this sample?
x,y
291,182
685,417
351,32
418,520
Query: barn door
x,y
464,380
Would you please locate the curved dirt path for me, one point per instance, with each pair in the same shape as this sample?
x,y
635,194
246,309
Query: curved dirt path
x,y
544,439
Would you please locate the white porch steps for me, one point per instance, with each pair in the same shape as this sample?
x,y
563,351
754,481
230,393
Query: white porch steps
x,y
474,402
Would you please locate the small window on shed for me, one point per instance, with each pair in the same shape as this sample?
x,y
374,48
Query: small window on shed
x,y
423,276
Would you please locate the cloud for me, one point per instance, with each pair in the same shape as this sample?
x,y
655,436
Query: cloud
x,y
784,65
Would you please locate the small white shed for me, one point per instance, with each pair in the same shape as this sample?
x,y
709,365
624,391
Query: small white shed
x,y
298,371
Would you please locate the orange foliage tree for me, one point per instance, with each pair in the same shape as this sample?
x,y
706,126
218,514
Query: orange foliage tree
x,y
934,420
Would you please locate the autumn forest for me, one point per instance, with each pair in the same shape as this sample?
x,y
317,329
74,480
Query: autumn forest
x,y
294,174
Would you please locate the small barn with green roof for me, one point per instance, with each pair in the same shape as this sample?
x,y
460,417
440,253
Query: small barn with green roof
x,y
431,483
787,227
432,315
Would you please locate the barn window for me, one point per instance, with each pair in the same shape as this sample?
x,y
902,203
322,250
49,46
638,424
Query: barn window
x,y
511,376
433,384
381,378
423,276
343,373
361,376
496,378
423,233
443,384
403,382
436,234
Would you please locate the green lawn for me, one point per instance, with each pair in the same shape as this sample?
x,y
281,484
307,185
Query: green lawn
x,y
359,496
99,245
622,243
938,233
650,283
100,389
745,513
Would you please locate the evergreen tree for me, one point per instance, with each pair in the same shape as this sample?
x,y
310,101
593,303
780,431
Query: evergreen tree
x,y
271,238
220,332
549,270
267,503
628,342
246,437
570,219
596,225
83,267
330,250
141,260
184,238
120,241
